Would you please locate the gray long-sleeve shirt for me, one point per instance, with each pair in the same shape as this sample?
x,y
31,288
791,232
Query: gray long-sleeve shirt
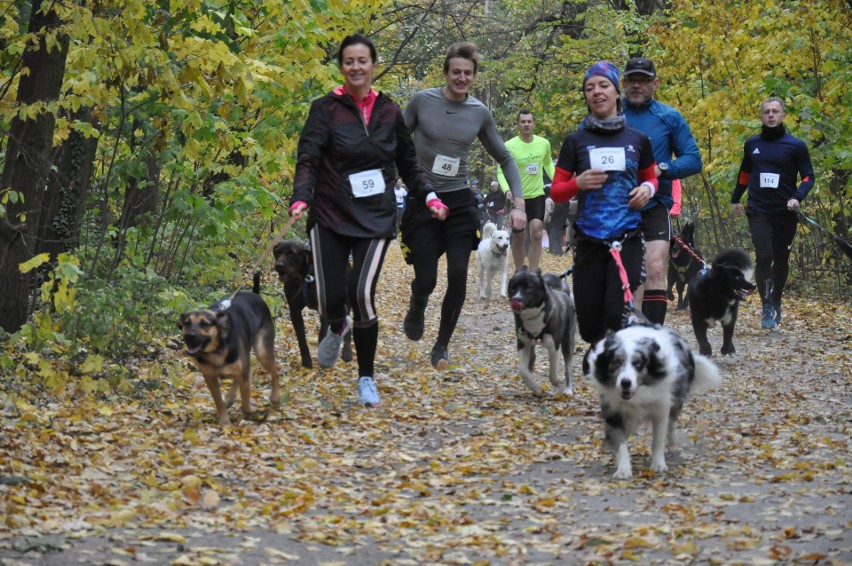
x,y
443,132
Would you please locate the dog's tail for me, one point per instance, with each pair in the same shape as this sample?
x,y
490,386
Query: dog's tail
x,y
255,283
707,375
488,229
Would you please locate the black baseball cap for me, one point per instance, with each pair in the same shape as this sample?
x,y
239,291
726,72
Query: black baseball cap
x,y
640,65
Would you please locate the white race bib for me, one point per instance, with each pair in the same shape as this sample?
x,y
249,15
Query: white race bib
x,y
607,158
532,169
367,183
446,166
769,180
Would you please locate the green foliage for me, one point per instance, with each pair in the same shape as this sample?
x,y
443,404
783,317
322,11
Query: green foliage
x,y
200,105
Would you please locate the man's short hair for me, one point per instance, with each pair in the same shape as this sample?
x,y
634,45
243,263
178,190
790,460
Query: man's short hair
x,y
464,50
526,111
774,99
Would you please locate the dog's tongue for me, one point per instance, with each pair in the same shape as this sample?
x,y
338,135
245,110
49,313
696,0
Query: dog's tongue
x,y
517,305
192,350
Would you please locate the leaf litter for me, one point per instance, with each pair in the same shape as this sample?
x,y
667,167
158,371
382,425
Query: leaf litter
x,y
457,467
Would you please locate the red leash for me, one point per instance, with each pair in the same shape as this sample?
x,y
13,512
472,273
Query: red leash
x,y
615,252
690,251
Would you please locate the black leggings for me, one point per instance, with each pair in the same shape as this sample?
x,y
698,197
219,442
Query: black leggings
x,y
331,253
772,236
426,277
598,291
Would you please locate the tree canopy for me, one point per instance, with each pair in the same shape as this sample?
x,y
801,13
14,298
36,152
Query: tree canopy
x,y
171,133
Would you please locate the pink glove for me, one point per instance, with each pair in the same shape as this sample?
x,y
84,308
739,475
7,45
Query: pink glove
x,y
297,208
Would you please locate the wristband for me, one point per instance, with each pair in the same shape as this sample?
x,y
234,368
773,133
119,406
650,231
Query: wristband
x,y
650,186
437,203
295,204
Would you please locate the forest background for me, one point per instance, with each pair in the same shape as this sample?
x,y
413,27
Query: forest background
x,y
148,146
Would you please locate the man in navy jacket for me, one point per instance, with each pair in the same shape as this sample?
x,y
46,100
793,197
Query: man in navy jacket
x,y
677,157
772,164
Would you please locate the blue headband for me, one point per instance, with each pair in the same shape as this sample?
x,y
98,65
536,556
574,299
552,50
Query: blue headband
x,y
607,70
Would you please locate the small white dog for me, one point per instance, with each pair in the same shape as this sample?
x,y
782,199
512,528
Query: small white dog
x,y
492,257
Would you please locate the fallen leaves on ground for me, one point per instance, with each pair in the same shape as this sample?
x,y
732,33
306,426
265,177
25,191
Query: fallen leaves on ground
x,y
457,467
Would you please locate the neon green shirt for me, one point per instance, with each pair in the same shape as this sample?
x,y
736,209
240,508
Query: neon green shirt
x,y
533,160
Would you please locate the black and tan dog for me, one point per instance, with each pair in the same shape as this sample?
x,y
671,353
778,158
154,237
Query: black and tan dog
x,y
220,339
295,267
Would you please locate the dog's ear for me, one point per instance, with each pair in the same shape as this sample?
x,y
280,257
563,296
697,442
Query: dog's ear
x,y
223,322
656,363
181,321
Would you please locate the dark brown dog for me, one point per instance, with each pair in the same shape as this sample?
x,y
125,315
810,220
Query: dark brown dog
x,y
219,340
295,267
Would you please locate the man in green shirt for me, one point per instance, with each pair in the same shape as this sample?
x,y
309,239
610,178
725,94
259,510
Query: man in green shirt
x,y
533,157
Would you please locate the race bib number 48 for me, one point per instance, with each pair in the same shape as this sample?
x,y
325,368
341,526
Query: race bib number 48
x,y
367,183
446,166
607,158
769,180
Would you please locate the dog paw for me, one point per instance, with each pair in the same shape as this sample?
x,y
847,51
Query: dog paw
x,y
567,391
623,474
659,466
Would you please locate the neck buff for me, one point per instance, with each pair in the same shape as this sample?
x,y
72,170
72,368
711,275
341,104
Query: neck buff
x,y
772,134
609,125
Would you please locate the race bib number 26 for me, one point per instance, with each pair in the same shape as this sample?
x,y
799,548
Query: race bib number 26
x,y
607,158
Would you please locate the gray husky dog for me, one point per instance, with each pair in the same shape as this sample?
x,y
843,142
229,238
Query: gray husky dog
x,y
544,313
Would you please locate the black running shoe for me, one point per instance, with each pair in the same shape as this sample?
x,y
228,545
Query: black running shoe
x,y
440,357
414,322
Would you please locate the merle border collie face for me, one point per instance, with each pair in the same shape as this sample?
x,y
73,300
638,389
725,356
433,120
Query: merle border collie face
x,y
625,365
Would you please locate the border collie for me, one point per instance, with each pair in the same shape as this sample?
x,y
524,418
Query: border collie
x,y
645,373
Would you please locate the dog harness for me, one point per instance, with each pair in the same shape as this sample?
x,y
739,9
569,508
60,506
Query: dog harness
x,y
544,323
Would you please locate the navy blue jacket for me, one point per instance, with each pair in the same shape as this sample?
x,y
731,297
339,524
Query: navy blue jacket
x,y
764,157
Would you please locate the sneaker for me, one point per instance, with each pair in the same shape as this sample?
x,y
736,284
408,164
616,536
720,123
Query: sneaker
x,y
329,348
368,395
768,318
414,322
777,307
440,357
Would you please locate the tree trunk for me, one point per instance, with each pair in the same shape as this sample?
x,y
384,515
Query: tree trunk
x,y
28,159
67,189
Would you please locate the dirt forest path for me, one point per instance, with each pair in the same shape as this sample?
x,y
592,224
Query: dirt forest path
x,y
457,467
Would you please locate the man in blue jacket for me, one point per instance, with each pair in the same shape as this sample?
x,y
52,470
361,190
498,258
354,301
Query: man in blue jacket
x,y
773,162
677,157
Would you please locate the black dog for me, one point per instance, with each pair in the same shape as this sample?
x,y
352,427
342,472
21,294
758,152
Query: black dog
x,y
544,313
295,267
683,266
715,294
220,339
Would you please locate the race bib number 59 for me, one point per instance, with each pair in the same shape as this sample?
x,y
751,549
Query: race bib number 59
x,y
367,183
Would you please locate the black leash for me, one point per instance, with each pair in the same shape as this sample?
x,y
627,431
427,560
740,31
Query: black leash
x,y
843,244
